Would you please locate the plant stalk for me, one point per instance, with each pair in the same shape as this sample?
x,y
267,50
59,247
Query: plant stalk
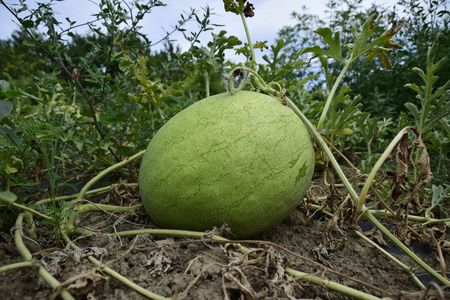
x,y
384,213
320,281
249,40
23,264
377,166
99,176
95,192
69,226
206,76
26,208
391,257
331,95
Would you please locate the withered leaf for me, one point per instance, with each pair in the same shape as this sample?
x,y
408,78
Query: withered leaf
x,y
404,183
234,6
376,235
249,10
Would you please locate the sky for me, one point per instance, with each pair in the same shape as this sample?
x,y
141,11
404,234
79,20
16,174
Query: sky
x,y
270,17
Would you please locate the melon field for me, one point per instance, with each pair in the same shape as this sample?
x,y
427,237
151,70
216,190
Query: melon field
x,y
311,166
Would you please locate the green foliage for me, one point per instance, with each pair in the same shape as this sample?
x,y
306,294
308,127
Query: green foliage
x,y
360,46
373,130
209,60
435,104
431,118
437,201
424,23
379,82
7,197
5,110
80,113
20,61
58,211
276,68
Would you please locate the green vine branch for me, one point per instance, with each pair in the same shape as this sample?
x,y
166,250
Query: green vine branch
x,y
60,62
103,173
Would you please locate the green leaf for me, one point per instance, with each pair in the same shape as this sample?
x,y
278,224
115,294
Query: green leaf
x,y
278,47
381,45
11,94
28,44
33,97
439,195
5,108
334,43
445,125
414,87
125,151
367,126
261,45
434,103
10,165
27,23
86,111
4,85
7,197
113,118
347,115
413,110
13,136
231,6
440,112
5,91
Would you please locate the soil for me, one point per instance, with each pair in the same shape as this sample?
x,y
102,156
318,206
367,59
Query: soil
x,y
206,269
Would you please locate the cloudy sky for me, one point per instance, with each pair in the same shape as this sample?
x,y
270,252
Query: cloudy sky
x,y
270,16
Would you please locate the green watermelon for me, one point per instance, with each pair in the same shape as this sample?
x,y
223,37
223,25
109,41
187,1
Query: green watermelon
x,y
244,159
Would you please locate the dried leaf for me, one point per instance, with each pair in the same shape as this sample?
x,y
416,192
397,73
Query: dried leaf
x,y
89,251
234,6
81,284
249,10
401,155
376,235
406,164
159,263
264,277
53,261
